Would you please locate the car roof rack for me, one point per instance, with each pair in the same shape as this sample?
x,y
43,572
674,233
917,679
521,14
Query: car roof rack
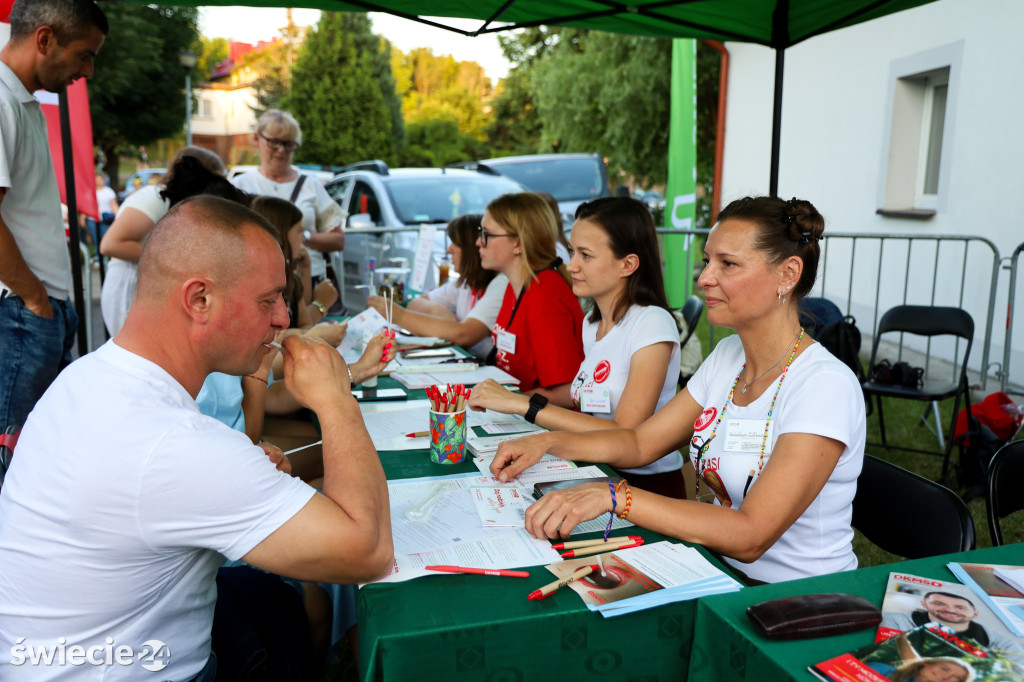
x,y
375,166
473,166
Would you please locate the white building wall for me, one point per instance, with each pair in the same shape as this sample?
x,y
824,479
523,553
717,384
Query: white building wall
x,y
834,148
229,111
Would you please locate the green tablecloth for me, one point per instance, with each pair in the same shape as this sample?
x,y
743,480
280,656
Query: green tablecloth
x,y
472,628
726,646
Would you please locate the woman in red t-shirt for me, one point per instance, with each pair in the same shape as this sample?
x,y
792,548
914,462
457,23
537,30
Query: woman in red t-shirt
x,y
538,334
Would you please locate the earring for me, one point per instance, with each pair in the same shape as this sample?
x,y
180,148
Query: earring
x,y
516,252
782,298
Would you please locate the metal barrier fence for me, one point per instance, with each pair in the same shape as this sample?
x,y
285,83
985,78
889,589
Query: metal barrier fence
x,y
1012,264
865,274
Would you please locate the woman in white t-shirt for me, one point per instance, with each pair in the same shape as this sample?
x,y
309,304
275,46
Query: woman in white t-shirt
x,y
464,310
630,337
136,218
775,423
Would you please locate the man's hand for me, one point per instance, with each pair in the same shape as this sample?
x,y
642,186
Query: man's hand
x,y
39,305
277,456
315,373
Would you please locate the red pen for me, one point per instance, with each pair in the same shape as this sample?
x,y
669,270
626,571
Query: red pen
x,y
417,434
598,549
479,571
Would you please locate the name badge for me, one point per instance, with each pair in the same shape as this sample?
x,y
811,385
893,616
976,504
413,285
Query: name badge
x,y
746,435
598,401
506,342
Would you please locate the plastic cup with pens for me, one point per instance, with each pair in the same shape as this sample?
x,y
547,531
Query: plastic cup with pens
x,y
448,423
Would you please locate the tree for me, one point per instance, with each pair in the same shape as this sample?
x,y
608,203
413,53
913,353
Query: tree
x,y
608,93
336,96
273,67
136,95
214,51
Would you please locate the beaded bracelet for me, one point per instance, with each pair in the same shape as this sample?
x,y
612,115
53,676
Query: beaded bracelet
x,y
611,515
253,376
351,381
629,499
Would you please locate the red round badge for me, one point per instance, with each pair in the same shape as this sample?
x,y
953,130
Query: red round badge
x,y
705,418
601,372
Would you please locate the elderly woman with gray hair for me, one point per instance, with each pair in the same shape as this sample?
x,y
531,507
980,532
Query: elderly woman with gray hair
x,y
277,137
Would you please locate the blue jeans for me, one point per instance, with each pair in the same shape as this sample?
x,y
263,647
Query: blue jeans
x,y
33,350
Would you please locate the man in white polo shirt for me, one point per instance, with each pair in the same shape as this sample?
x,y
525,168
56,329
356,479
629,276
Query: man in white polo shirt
x,y
123,500
52,44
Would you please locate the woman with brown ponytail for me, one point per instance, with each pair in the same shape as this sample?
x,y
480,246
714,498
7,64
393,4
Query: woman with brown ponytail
x,y
775,424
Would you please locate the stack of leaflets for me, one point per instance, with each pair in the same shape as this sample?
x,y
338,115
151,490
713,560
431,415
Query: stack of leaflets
x,y
927,652
644,577
467,374
1003,598
483,440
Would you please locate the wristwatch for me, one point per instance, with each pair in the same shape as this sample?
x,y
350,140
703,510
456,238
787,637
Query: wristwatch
x,y
537,403
306,236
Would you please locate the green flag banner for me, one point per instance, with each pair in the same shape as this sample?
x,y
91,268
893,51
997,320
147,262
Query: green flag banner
x,y
680,196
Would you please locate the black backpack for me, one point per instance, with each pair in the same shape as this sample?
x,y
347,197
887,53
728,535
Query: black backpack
x,y
842,339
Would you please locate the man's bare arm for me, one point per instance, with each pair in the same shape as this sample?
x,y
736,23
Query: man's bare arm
x,y
17,276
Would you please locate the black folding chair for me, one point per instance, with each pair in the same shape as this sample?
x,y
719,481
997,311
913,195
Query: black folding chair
x,y
908,515
1005,493
691,312
926,321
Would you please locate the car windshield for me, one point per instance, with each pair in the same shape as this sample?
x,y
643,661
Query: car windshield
x,y
440,198
564,179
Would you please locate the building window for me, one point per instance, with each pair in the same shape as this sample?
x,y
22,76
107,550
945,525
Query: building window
x,y
919,131
205,108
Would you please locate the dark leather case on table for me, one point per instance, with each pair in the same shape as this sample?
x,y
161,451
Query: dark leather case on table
x,y
813,615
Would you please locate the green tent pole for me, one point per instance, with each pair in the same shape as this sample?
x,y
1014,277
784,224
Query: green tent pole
x,y
680,197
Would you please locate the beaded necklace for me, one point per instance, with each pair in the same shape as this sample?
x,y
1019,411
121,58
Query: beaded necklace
x,y
771,409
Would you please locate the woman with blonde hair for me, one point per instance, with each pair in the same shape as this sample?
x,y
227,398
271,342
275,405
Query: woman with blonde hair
x,y
538,333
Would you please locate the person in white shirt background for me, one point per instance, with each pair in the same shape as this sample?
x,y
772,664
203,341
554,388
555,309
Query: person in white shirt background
x,y
461,310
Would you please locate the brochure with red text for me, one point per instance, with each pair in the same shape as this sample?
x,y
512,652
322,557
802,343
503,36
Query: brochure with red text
x,y
928,652
911,601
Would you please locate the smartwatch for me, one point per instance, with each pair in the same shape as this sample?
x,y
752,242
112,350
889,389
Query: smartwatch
x,y
537,403
306,236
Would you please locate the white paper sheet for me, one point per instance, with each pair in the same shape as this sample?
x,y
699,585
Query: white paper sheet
x,y
388,422
422,380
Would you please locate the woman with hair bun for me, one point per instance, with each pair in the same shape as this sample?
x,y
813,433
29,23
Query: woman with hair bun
x,y
774,422
537,336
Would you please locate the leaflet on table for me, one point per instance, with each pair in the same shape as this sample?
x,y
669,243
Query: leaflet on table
x,y
486,445
930,651
1003,599
468,378
388,423
491,495
912,600
644,577
451,520
369,322
1012,576
513,549
539,471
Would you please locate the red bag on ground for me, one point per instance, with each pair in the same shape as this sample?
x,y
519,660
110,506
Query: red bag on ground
x,y
992,413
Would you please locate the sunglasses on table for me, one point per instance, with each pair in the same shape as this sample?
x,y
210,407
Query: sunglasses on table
x,y
275,144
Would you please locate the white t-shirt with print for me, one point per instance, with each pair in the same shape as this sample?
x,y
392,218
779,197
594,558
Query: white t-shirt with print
x,y
820,396
465,304
602,377
117,512
320,213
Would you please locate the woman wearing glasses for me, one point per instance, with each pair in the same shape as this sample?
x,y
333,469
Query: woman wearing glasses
x,y
537,336
462,311
277,137
630,338
773,420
